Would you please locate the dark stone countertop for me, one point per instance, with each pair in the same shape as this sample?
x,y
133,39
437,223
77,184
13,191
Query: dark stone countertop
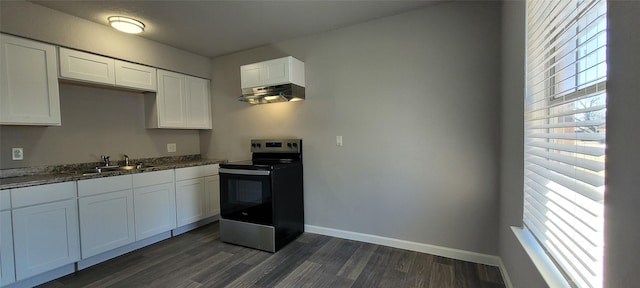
x,y
32,176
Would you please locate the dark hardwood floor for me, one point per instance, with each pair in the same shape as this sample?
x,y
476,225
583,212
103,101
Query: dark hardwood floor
x,y
199,259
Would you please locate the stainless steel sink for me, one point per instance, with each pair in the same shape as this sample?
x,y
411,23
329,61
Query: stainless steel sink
x,y
87,173
106,169
135,167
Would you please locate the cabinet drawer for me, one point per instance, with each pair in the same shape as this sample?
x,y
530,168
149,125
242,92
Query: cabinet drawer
x,y
211,169
189,173
34,195
5,199
103,185
152,178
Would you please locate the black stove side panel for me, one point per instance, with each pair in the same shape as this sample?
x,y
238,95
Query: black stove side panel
x,y
288,204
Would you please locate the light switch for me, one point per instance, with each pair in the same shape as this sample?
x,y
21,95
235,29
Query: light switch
x,y
339,140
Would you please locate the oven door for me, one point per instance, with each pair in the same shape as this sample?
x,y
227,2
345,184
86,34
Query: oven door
x,y
245,195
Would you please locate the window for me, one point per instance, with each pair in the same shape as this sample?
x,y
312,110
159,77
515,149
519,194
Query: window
x,y
565,109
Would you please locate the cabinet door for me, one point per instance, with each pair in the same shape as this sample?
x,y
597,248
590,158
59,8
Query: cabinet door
x,y
171,100
29,92
155,209
45,237
136,76
198,103
252,75
7,272
211,195
106,222
86,67
190,200
276,71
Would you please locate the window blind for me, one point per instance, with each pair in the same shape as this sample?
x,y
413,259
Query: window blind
x,y
565,133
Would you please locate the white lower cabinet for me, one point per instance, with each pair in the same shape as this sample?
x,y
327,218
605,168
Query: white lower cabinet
x,y
49,226
7,272
197,193
106,222
45,236
211,195
106,214
189,200
154,198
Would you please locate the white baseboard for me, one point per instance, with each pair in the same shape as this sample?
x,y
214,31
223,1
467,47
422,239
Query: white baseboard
x,y
408,245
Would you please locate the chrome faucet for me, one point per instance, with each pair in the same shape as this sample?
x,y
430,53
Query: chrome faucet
x,y
105,160
126,159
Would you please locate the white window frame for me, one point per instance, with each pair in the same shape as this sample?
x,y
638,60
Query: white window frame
x,y
562,81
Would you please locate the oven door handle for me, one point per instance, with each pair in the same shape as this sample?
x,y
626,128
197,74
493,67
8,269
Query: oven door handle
x,y
244,172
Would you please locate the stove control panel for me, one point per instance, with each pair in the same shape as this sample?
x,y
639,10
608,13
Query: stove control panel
x,y
276,145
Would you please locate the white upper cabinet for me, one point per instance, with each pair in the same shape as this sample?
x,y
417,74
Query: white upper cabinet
x,y
135,76
91,68
29,92
198,103
181,102
272,72
171,100
86,67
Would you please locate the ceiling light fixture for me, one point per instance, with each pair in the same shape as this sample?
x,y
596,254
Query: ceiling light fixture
x,y
126,24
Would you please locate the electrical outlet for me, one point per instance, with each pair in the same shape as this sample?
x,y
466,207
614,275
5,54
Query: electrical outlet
x,y
339,141
17,154
171,147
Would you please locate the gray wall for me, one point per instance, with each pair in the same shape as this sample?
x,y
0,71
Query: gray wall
x,y
95,121
40,23
622,234
416,98
622,198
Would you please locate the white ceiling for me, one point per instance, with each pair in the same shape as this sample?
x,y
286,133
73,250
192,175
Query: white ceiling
x,y
214,28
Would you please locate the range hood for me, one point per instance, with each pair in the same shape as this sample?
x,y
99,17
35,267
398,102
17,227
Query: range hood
x,y
272,94
272,81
